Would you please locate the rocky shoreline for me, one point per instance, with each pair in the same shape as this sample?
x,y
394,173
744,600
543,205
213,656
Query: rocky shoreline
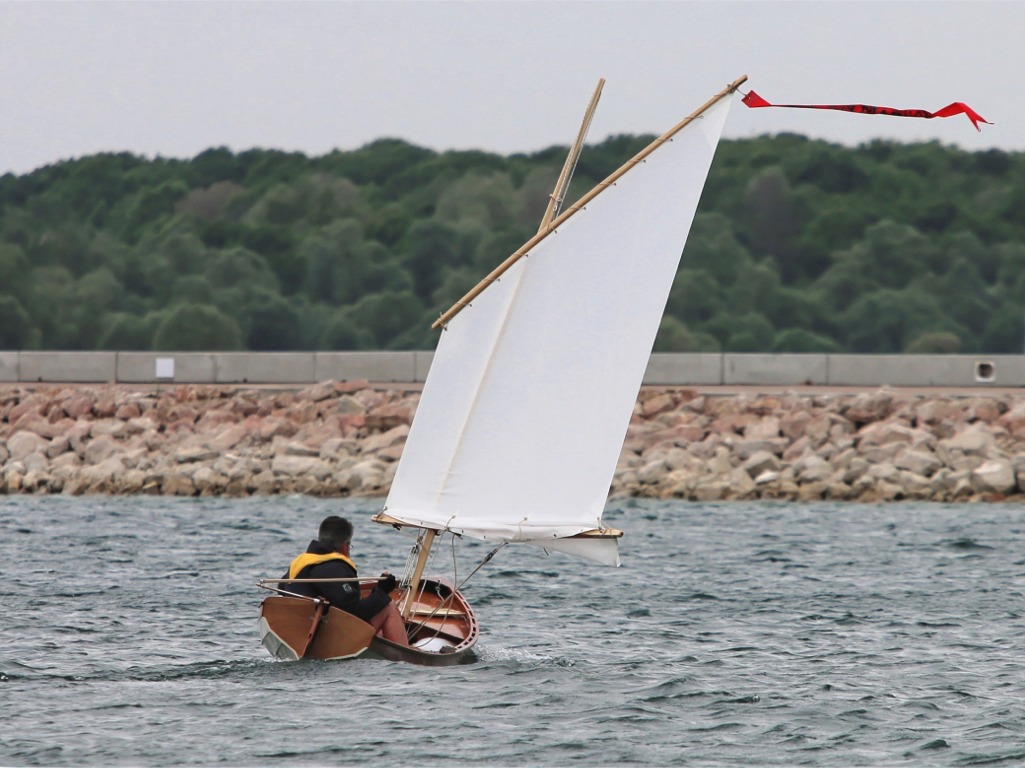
x,y
344,439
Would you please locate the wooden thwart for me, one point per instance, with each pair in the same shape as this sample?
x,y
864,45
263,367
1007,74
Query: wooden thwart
x,y
425,610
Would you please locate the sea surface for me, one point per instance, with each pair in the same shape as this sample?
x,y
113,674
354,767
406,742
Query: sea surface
x,y
734,634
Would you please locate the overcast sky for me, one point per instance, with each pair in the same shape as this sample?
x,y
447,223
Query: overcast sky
x,y
175,78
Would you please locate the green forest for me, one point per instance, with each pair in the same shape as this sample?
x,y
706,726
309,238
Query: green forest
x,y
799,245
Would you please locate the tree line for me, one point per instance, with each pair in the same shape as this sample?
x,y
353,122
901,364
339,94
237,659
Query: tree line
x,y
799,245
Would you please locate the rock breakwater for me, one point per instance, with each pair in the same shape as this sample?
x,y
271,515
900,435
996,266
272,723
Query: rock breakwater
x,y
344,439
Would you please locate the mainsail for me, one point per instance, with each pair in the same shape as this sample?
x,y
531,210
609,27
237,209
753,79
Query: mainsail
x,y
523,414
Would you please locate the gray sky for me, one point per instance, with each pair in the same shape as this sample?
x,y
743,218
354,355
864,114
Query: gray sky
x,y
175,78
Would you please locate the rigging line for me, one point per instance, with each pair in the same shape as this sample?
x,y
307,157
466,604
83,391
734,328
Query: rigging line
x,y
411,627
481,564
411,558
455,566
286,593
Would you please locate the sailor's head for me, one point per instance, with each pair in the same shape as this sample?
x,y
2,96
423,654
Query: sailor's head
x,y
335,532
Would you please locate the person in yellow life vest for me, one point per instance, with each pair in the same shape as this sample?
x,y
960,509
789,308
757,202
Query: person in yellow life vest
x,y
327,557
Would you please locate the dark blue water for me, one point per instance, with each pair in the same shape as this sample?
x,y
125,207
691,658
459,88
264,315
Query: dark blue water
x,y
734,634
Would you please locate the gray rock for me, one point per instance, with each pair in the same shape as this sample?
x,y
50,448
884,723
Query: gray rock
x,y
36,462
973,441
296,466
745,448
652,472
761,462
994,476
102,477
812,469
22,444
855,468
385,439
98,450
741,484
919,462
292,448
195,453
109,427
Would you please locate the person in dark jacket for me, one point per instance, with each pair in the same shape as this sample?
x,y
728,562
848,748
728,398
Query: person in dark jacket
x,y
327,557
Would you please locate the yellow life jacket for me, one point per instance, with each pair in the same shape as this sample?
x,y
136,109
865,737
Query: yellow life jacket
x,y
307,559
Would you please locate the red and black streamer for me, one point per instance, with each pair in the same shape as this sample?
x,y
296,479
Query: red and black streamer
x,y
752,99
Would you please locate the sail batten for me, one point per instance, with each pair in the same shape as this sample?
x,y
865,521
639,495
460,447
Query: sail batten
x,y
524,411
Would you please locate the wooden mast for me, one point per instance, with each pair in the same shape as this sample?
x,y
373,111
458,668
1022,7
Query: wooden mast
x,y
579,205
555,201
554,204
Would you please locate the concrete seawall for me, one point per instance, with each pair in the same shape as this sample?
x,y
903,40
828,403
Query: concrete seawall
x,y
667,369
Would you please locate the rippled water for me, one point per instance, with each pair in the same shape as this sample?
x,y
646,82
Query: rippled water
x,y
735,634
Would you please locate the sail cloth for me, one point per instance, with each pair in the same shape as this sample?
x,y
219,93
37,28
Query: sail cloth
x,y
753,100
523,415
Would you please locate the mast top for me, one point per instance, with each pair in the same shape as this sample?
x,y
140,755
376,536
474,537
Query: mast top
x,y
502,268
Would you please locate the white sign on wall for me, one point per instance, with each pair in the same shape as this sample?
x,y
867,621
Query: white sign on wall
x,y
165,368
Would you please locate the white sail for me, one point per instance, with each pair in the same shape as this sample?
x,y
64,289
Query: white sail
x,y
523,414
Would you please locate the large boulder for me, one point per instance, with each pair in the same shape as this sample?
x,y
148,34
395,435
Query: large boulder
x,y
994,476
761,462
22,444
923,463
812,469
975,440
870,406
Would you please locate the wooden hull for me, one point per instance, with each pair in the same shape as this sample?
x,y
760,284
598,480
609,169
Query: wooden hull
x,y
441,623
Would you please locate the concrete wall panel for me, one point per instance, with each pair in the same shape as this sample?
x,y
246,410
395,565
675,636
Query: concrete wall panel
x,y
777,370
926,370
8,366
700,369
87,367
1006,370
372,366
265,367
422,365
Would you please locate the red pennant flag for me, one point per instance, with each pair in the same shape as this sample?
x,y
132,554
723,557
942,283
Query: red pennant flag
x,y
957,108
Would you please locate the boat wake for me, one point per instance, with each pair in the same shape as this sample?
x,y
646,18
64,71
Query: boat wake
x,y
497,654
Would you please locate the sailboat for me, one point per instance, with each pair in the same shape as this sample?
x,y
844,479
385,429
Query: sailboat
x,y
523,414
